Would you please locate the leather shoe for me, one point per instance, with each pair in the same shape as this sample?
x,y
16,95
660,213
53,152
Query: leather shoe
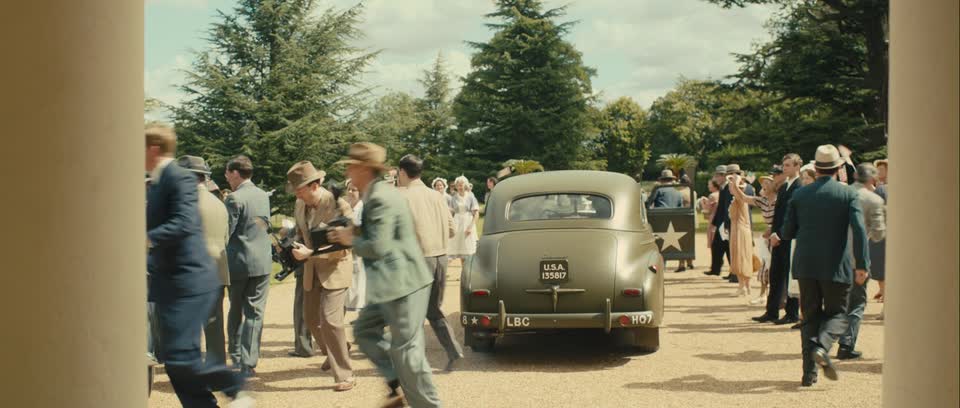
x,y
709,273
764,318
326,365
808,381
823,360
845,353
452,363
295,354
786,320
732,278
797,326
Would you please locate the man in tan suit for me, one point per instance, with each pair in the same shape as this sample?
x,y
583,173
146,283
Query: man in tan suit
x,y
216,229
433,224
326,277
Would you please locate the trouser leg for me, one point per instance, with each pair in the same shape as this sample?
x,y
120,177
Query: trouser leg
x,y
856,304
779,279
255,303
213,333
302,338
236,292
332,331
716,254
811,302
834,323
373,341
405,317
435,314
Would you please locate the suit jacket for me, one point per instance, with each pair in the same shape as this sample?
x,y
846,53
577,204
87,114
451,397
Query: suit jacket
x,y
874,213
722,213
334,270
432,220
248,249
178,263
784,195
820,216
387,243
216,230
666,197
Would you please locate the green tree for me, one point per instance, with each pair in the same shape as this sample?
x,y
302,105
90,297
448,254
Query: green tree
x,y
828,57
279,84
435,140
688,119
527,94
392,123
676,162
623,140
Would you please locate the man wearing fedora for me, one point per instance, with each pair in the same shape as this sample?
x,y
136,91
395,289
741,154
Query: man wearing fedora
x,y
720,247
216,229
183,282
822,217
874,218
398,281
327,276
250,262
666,197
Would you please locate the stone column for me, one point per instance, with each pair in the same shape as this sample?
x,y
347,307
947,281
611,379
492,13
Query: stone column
x,y
921,311
73,260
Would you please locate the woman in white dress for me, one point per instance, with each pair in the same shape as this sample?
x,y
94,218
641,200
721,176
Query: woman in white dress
x,y
466,212
357,293
440,184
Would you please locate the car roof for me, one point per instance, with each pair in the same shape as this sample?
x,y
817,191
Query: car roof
x,y
622,190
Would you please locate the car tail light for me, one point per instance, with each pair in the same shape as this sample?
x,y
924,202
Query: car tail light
x,y
653,268
485,321
624,320
481,292
631,292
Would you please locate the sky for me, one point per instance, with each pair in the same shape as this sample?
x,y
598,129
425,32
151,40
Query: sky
x,y
638,47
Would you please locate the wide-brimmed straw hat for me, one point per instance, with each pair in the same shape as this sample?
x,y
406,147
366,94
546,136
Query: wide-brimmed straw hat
x,y
667,174
301,174
827,157
366,154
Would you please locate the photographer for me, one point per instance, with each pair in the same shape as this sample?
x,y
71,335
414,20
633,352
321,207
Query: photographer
x,y
327,276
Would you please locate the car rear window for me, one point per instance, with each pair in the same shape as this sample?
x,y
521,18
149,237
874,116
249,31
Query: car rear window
x,y
559,207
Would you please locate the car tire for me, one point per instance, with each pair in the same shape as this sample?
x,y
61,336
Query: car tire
x,y
642,339
479,344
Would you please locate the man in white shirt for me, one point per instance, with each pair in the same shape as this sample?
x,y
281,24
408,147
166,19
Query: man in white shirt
x,y
433,224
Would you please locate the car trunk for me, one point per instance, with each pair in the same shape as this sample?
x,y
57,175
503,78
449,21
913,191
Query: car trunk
x,y
586,256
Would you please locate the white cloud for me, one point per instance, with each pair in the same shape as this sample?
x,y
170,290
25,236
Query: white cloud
x,y
162,82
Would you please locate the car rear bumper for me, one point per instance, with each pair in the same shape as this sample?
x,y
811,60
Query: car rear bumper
x,y
506,322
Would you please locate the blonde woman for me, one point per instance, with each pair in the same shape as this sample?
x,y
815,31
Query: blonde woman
x,y
356,293
741,234
466,212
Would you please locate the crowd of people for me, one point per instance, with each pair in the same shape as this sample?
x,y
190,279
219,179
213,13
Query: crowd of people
x,y
388,263
824,239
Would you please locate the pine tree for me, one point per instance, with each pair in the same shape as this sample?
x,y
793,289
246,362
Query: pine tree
x,y
279,84
528,93
434,140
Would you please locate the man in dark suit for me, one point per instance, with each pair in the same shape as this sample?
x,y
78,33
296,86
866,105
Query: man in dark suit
x,y
183,280
250,263
719,247
822,217
780,255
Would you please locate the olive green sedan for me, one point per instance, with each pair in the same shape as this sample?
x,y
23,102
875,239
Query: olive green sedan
x,y
565,250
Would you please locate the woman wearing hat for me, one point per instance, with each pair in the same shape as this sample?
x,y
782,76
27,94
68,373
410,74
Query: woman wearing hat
x,y
741,234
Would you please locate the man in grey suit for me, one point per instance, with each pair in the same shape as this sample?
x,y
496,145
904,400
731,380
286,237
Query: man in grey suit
x,y
875,220
216,228
248,253
398,281
434,226
821,217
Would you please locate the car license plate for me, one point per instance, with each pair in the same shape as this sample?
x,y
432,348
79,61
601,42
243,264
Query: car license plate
x,y
554,271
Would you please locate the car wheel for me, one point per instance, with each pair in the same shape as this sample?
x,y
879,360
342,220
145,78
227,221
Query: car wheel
x,y
642,339
480,341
